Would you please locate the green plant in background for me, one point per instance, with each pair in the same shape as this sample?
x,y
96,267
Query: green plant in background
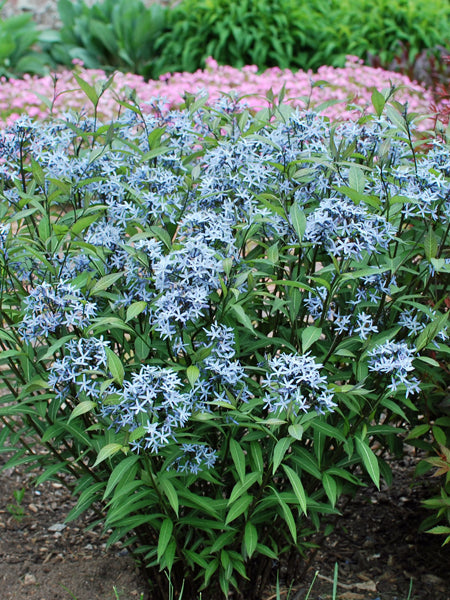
x,y
279,33
217,323
292,34
113,34
19,39
15,508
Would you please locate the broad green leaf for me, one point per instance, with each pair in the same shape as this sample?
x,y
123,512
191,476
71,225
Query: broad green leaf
x,y
119,472
242,316
241,487
82,408
430,244
165,534
105,282
171,493
438,324
309,336
257,459
298,220
88,89
107,451
209,571
169,556
135,309
279,451
327,429
330,487
193,374
86,500
378,101
115,366
297,486
238,507
370,461
287,514
250,538
356,178
296,431
56,346
238,457
418,431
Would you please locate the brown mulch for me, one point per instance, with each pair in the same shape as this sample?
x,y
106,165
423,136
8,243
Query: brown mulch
x,y
376,545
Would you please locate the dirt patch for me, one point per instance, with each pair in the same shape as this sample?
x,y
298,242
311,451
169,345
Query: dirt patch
x,y
376,545
42,558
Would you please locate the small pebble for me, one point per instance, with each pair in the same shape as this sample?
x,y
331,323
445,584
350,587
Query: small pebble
x,y
29,579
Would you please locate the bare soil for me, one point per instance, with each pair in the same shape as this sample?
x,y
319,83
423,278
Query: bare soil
x,y
376,546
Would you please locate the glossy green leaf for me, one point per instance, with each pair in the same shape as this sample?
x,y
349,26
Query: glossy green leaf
x,y
250,538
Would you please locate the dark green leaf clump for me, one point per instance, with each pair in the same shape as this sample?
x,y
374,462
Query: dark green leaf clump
x,y
110,35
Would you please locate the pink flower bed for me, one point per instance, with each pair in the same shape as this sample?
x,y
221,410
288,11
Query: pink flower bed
x,y
352,86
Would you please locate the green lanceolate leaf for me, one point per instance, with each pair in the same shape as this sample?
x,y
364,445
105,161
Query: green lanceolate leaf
x,y
105,282
250,538
298,220
170,492
370,461
297,486
279,452
82,408
309,336
238,507
238,459
165,534
287,515
107,451
193,374
115,366
119,472
135,309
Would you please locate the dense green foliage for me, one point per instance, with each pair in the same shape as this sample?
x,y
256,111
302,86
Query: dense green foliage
x,y
295,34
18,40
110,34
285,33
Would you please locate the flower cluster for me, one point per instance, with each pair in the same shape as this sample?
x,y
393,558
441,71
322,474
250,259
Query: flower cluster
x,y
82,369
152,401
396,359
48,307
294,383
347,230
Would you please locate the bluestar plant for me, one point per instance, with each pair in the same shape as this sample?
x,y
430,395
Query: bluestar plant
x,y
213,319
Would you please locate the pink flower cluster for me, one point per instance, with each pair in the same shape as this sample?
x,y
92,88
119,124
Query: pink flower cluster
x,y
351,87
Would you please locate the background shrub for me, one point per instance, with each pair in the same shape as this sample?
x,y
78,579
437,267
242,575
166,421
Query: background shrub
x,y
19,39
111,34
295,34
